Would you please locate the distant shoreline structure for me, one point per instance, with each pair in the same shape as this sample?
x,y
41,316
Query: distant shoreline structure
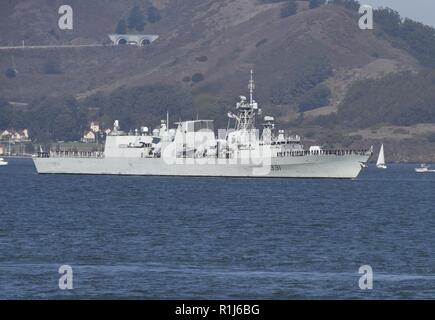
x,y
140,40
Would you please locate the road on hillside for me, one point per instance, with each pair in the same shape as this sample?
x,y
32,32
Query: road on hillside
x,y
52,46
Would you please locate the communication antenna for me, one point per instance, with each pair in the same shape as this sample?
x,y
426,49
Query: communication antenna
x,y
251,87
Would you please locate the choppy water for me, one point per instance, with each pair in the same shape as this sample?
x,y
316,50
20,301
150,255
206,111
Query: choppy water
x,y
212,238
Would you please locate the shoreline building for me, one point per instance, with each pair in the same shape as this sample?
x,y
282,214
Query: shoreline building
x,y
14,135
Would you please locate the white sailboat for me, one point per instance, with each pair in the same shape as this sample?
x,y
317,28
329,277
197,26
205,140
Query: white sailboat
x,y
381,159
3,162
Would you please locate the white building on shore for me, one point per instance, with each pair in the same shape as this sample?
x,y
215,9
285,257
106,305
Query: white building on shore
x,y
14,135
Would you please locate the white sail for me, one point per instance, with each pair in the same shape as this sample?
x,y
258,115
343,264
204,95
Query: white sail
x,y
381,158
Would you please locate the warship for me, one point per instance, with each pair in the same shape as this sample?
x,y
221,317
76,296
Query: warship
x,y
192,148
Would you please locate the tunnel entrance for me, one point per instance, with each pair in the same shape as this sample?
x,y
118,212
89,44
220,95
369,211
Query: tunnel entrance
x,y
122,41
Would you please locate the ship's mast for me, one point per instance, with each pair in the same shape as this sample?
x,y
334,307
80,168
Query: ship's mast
x,y
247,110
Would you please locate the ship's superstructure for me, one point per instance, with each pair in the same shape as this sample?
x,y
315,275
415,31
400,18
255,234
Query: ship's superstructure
x,y
193,149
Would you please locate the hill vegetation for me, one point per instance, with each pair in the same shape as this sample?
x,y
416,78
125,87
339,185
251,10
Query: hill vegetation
x,y
398,99
313,70
414,37
137,19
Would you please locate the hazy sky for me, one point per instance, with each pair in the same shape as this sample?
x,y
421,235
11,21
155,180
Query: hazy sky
x,y
419,10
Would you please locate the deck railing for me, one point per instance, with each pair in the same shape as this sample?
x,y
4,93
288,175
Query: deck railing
x,y
71,154
100,154
323,153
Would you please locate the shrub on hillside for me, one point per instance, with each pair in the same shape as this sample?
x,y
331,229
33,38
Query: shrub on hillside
x,y
348,4
271,1
431,138
315,98
201,58
197,77
52,67
316,3
121,28
11,73
290,9
153,14
136,19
